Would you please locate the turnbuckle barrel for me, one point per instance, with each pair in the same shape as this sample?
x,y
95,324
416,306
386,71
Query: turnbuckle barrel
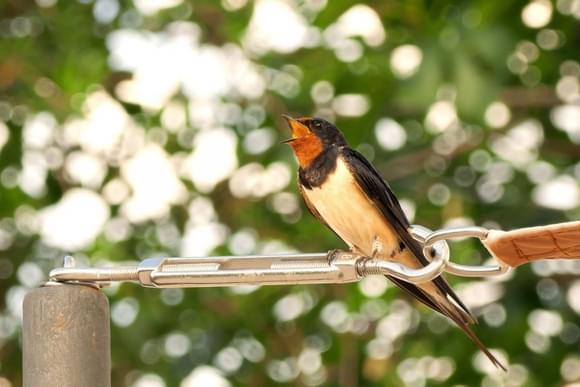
x,y
249,270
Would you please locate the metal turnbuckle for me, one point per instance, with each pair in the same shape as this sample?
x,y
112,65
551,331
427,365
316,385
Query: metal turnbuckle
x,y
333,267
320,268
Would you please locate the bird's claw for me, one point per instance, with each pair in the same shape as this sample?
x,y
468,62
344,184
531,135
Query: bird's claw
x,y
377,248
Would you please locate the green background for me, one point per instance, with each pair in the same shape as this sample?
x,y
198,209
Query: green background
x,y
55,55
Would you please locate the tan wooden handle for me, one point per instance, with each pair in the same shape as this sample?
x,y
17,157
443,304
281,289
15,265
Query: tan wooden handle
x,y
524,245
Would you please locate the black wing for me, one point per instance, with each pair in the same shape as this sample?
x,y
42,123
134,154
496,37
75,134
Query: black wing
x,y
383,198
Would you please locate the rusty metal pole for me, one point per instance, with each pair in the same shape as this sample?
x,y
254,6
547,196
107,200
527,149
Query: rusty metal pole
x,y
66,337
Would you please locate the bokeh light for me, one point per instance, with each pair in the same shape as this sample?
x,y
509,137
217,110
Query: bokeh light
x,y
151,128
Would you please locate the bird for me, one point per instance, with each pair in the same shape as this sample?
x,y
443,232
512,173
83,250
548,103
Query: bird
x,y
343,190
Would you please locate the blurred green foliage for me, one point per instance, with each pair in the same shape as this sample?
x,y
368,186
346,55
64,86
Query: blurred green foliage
x,y
482,64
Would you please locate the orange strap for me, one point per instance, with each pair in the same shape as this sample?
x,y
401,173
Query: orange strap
x,y
524,245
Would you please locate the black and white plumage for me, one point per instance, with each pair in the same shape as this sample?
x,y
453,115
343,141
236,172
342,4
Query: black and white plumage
x,y
344,191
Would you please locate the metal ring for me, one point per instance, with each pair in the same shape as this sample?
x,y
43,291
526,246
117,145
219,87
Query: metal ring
x,y
433,269
438,261
465,270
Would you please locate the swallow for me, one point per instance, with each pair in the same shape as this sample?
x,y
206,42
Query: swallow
x,y
342,189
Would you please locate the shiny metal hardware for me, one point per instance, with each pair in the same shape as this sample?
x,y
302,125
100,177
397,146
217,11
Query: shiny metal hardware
x,y
217,271
323,268
465,270
333,267
439,259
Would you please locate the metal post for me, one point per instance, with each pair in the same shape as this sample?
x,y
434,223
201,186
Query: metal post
x,y
66,337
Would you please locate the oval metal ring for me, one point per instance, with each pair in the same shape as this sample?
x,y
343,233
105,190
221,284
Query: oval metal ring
x,y
465,270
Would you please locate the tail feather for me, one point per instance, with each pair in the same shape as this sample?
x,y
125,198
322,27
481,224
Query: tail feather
x,y
447,306
439,296
457,318
461,316
443,287
466,316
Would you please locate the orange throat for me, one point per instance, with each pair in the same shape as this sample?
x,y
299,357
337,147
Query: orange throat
x,y
306,149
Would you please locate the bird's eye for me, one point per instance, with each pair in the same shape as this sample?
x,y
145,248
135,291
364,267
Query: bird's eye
x,y
316,124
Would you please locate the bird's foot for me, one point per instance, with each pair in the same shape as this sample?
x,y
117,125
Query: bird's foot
x,y
377,247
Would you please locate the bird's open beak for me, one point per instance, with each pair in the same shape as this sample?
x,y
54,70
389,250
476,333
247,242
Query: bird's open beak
x,y
297,127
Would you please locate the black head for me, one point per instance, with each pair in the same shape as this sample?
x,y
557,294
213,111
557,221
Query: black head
x,y
328,134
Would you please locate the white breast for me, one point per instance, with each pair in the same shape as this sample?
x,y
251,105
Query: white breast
x,y
345,208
